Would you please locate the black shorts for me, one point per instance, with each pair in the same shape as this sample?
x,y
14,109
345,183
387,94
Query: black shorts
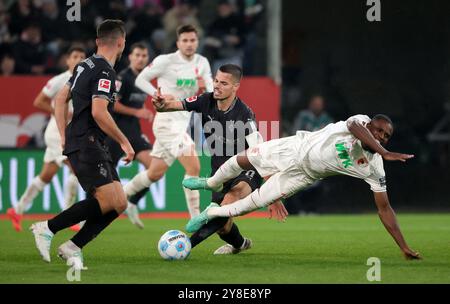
x,y
138,141
251,177
93,168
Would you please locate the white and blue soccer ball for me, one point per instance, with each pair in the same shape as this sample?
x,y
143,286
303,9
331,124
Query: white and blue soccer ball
x,y
174,245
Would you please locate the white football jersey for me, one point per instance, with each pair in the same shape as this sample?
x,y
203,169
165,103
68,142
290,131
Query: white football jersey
x,y
178,77
51,89
335,150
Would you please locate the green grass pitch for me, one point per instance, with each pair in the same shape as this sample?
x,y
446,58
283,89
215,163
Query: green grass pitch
x,y
317,249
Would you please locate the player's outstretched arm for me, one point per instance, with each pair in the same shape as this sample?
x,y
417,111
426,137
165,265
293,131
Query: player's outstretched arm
x,y
106,123
364,135
389,220
166,103
61,111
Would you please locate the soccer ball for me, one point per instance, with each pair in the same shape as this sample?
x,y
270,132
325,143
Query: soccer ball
x,y
174,245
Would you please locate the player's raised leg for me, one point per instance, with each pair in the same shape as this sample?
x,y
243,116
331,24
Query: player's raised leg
x,y
281,184
229,170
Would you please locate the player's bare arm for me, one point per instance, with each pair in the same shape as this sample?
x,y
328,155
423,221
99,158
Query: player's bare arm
x,y
44,103
166,103
61,111
366,137
106,123
389,220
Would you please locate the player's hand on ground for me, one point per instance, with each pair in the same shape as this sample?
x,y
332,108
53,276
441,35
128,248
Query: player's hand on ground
x,y
278,211
144,113
411,255
393,156
129,152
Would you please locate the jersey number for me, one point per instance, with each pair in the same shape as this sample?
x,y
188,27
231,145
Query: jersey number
x,y
80,70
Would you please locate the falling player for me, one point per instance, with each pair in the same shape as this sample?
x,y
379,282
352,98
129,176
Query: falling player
x,y
355,147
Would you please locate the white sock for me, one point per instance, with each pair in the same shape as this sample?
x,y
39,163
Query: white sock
x,y
192,199
36,186
139,182
229,170
71,190
269,192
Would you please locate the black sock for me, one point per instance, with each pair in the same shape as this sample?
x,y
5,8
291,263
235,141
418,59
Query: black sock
x,y
88,208
207,230
234,237
134,199
93,227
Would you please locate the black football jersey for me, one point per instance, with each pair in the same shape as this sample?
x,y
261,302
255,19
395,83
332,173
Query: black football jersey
x,y
93,77
131,96
225,131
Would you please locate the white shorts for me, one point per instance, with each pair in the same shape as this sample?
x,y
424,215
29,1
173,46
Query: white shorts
x,y
53,152
274,156
169,147
278,159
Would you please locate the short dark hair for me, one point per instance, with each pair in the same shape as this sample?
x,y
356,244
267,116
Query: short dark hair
x,y
383,117
187,28
234,70
110,30
75,48
138,45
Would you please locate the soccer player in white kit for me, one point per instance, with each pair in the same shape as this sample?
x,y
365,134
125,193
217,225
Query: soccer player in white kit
x,y
182,74
354,147
53,157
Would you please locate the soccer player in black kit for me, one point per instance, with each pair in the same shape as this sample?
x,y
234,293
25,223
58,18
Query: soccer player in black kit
x,y
229,126
128,109
92,89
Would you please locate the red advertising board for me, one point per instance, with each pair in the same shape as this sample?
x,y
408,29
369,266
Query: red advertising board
x,y
20,120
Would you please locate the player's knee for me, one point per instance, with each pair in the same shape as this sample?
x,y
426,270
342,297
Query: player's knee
x,y
155,176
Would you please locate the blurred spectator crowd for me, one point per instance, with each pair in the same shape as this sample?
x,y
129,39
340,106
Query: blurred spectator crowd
x,y
34,34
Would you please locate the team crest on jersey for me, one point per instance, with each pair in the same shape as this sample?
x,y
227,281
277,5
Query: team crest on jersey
x,y
104,85
191,99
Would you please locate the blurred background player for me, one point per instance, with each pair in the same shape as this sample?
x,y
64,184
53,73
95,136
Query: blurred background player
x,y
223,110
313,118
53,157
128,109
182,74
355,147
92,88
